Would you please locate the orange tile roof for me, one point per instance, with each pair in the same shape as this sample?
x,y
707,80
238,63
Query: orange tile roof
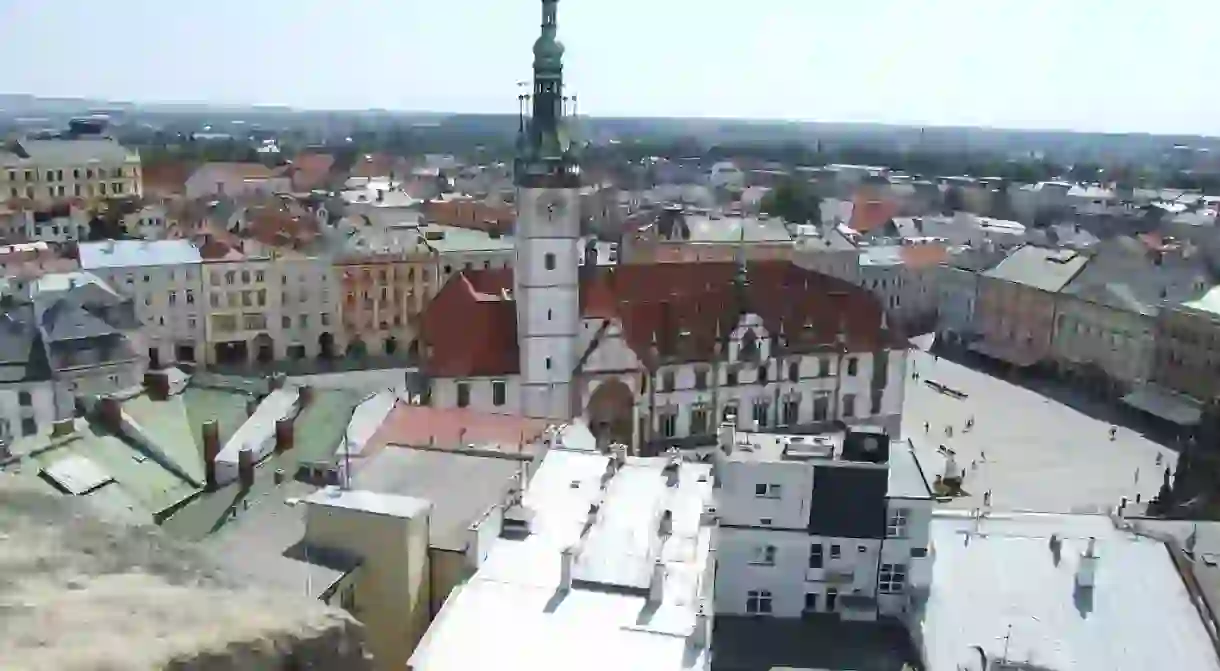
x,y
870,213
923,255
422,426
469,213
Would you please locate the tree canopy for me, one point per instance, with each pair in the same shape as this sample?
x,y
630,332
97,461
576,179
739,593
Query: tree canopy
x,y
794,202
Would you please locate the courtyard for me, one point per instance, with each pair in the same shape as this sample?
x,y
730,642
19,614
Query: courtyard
x,y
1031,452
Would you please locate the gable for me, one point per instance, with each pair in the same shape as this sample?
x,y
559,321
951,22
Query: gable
x,y
610,352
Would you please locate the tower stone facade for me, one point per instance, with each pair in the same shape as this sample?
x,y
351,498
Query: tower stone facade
x,y
546,282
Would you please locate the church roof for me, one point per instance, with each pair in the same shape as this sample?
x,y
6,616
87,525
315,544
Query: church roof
x,y
470,327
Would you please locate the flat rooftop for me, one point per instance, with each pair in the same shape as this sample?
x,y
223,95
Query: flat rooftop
x,y
997,584
461,487
137,253
818,642
604,620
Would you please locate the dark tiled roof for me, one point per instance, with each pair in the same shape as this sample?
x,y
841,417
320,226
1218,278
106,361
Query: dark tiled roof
x,y
471,325
848,502
67,320
22,356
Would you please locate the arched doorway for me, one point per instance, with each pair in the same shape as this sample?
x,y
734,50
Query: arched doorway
x,y
326,346
391,346
264,348
610,411
356,349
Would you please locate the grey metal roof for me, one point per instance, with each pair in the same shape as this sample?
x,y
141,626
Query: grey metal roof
x,y
135,253
461,487
848,501
1039,267
21,353
1122,276
66,320
734,229
68,152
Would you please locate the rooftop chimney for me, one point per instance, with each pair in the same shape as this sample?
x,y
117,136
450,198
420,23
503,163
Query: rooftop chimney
x,y
63,427
245,467
567,558
283,434
726,435
703,626
666,527
211,449
251,405
110,413
656,586
1086,574
305,395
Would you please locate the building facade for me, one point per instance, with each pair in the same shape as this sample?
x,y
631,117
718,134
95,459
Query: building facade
x,y
1015,310
164,279
56,169
243,303
834,523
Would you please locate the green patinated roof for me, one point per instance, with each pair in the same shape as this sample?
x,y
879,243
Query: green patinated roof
x,y
316,433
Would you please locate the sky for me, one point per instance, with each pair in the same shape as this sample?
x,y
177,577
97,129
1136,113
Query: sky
x,y
1097,65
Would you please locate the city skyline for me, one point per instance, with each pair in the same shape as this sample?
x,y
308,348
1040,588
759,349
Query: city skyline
x,y
1035,65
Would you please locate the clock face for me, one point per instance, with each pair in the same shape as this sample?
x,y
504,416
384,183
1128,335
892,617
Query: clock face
x,y
551,207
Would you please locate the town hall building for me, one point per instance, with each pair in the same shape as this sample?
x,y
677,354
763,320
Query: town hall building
x,y
650,356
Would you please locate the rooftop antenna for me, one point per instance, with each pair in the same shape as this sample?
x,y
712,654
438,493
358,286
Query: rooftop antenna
x,y
347,459
1007,640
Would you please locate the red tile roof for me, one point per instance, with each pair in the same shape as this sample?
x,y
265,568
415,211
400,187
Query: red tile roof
x,y
869,213
470,327
167,178
923,255
421,426
310,171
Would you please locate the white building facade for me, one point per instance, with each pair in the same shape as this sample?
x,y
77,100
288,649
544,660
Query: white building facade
x,y
819,524
164,280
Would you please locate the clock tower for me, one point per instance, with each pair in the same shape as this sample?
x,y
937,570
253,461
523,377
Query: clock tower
x,y
546,289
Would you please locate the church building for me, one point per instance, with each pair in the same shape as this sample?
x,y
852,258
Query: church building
x,y
648,355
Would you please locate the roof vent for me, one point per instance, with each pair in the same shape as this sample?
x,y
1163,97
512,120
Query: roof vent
x,y
575,484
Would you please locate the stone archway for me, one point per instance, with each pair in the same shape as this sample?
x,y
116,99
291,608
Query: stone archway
x,y
611,411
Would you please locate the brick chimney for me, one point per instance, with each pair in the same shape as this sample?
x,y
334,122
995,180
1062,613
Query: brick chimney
x,y
157,383
245,467
283,434
110,414
211,449
306,395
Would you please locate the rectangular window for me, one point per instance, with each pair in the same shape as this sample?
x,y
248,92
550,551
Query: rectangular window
x,y
836,551
853,365
29,427
763,374
762,412
849,405
823,368
699,416
173,298
792,409
730,378
758,601
667,381
669,424
794,372
892,578
764,555
874,405
821,408
463,395
764,490
190,297
816,560
896,527
499,393
701,378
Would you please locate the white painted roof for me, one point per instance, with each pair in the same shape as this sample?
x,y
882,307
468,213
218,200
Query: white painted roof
x,y
598,624
135,253
999,585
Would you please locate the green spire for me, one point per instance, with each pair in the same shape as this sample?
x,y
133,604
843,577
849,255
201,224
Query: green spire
x,y
546,157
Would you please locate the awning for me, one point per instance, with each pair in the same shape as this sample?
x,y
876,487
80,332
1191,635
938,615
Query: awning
x,y
1010,355
1166,404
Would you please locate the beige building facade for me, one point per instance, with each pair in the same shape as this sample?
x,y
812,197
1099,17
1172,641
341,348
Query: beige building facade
x,y
49,170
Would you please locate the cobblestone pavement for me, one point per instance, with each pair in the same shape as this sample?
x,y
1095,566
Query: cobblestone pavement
x,y
1031,452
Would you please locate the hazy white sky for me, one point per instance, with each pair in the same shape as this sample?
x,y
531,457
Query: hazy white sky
x,y
1081,64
